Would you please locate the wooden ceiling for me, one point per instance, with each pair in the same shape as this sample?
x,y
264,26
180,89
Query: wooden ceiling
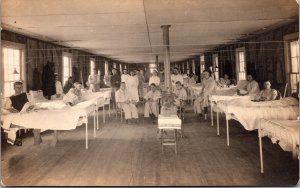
x,y
129,30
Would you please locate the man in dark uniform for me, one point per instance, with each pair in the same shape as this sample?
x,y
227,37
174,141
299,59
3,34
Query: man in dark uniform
x,y
15,104
115,81
48,80
68,85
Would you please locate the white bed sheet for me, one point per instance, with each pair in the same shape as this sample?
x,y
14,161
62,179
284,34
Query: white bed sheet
x,y
54,119
284,131
248,113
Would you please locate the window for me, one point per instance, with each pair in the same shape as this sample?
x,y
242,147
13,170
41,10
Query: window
x,y
67,66
13,59
92,65
216,66
187,70
152,67
106,67
115,65
120,67
294,60
193,66
202,63
241,64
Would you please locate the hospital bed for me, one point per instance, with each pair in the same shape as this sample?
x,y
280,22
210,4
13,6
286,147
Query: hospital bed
x,y
248,113
283,132
55,115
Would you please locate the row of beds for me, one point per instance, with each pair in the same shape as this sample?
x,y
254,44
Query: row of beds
x,y
276,119
56,115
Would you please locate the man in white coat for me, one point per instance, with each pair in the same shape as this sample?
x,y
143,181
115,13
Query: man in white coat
x,y
132,86
209,85
124,76
152,102
154,79
176,77
58,87
125,102
94,81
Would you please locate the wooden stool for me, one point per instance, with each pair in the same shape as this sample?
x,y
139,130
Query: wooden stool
x,y
172,123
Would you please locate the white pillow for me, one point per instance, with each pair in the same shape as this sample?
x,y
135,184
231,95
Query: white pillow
x,y
36,96
243,92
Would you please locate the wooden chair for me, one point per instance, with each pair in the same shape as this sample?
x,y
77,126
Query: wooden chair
x,y
181,110
120,111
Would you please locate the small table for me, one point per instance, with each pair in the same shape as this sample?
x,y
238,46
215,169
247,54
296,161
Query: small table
x,y
169,123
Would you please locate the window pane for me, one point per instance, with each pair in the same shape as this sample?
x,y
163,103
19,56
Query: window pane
x,y
106,68
202,58
92,65
12,62
295,65
294,48
294,81
66,67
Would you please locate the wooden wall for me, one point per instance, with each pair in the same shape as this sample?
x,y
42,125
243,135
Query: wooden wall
x,y
264,55
38,52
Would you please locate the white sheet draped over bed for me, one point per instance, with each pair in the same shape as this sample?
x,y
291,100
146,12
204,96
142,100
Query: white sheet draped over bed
x,y
284,131
248,113
54,114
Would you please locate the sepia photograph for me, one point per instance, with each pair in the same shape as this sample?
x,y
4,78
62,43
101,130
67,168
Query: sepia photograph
x,y
149,93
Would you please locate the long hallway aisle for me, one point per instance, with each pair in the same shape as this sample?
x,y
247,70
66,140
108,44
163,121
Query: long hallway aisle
x,y
130,154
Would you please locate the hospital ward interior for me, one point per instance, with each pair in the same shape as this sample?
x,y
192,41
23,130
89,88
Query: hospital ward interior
x,y
149,93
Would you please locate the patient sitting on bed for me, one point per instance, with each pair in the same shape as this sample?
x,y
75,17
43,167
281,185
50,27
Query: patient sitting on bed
x,y
16,102
74,95
267,94
252,88
19,103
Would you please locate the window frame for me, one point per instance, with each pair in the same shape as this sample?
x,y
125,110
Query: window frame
x,y
152,67
18,46
106,67
202,63
216,68
287,53
69,55
92,65
238,64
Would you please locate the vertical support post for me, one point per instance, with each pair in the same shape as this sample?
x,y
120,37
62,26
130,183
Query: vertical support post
x,y
166,45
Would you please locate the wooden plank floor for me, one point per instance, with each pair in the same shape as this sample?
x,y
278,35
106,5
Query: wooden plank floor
x,y
131,155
